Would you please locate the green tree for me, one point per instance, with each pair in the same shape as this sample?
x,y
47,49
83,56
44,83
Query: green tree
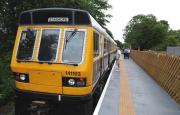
x,y
109,32
145,32
10,10
173,38
119,44
126,45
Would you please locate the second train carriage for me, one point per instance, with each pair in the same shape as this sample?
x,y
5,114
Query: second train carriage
x,y
60,55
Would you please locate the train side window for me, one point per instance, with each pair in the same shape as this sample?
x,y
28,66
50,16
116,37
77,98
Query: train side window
x,y
111,45
96,44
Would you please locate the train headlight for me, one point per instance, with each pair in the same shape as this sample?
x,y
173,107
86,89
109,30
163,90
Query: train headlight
x,y
71,82
21,77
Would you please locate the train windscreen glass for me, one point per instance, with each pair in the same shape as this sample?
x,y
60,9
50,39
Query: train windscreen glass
x,y
73,46
48,45
26,45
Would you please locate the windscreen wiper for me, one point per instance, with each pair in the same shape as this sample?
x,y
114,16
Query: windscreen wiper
x,y
69,37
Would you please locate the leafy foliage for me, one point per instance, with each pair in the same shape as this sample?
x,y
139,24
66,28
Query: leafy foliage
x,y
119,44
145,32
173,38
10,10
6,81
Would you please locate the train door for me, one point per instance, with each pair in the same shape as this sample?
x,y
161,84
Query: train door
x,y
96,63
101,54
105,55
108,44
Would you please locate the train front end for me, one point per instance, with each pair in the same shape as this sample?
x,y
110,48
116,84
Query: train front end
x,y
52,60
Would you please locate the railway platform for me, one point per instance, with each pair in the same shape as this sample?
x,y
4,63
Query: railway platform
x,y
131,91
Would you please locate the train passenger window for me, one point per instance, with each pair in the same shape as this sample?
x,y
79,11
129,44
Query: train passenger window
x,y
26,45
111,46
96,44
48,45
73,46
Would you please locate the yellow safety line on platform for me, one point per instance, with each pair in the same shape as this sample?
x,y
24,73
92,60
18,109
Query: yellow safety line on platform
x,y
126,106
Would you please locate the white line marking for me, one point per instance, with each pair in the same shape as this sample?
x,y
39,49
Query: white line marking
x,y
96,111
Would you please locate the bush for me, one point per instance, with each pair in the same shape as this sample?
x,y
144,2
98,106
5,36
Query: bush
x,y
6,81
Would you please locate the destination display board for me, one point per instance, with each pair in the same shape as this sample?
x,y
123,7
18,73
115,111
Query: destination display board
x,y
54,16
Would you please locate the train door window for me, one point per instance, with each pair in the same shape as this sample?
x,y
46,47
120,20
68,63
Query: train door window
x,y
96,44
105,46
26,45
73,47
49,45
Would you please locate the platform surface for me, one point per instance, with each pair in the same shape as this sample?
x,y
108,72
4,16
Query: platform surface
x,y
148,98
110,104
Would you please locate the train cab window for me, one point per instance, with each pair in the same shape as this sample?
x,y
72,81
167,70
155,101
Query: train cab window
x,y
73,46
48,45
96,44
26,45
81,18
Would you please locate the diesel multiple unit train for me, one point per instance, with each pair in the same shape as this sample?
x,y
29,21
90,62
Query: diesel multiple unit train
x,y
60,55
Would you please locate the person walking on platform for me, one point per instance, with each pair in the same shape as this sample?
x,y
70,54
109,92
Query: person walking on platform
x,y
118,55
129,52
126,53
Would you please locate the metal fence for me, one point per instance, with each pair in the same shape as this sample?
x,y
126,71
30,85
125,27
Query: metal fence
x,y
173,51
164,69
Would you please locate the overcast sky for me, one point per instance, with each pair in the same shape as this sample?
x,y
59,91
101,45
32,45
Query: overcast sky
x,y
124,10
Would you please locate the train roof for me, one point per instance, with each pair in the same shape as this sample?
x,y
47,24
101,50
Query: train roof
x,y
60,16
